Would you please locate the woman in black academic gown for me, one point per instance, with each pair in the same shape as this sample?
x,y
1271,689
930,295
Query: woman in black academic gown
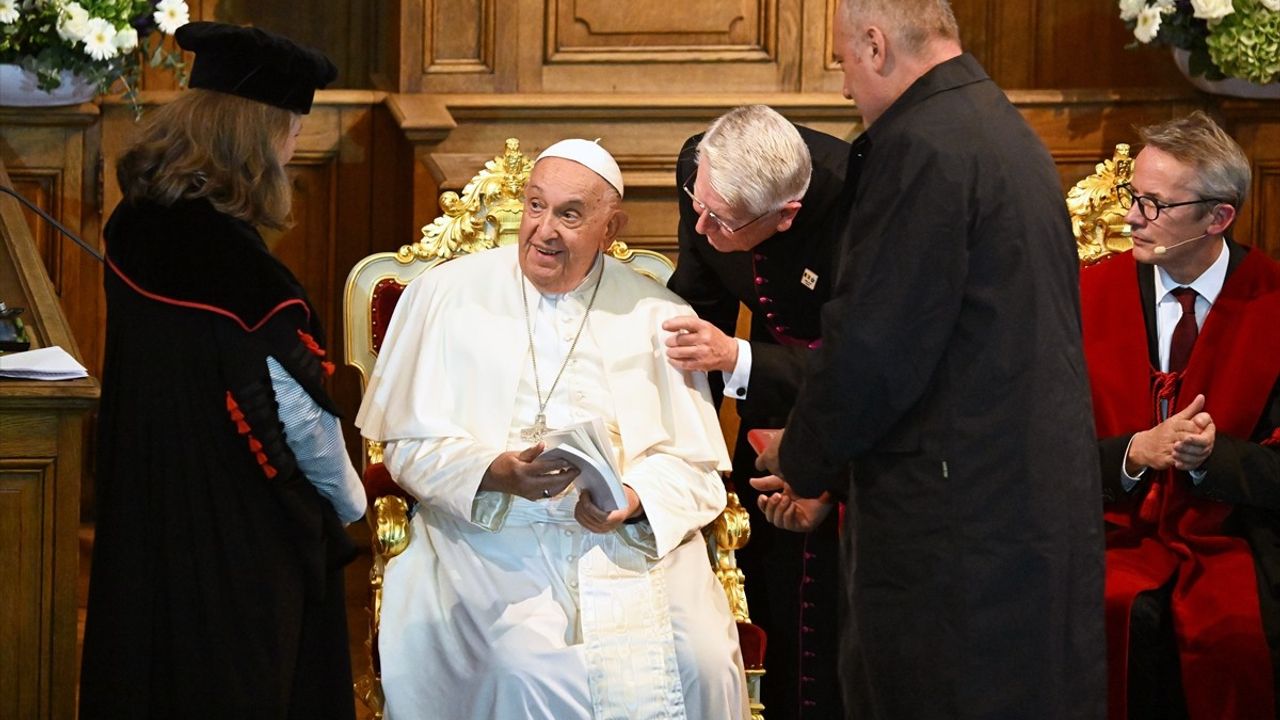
x,y
223,483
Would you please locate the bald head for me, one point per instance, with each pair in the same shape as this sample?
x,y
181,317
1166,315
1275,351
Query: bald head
x,y
913,23
884,46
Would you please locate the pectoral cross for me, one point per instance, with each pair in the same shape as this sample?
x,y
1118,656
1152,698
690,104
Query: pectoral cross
x,y
534,432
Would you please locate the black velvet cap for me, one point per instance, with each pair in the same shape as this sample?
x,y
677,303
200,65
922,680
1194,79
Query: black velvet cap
x,y
255,64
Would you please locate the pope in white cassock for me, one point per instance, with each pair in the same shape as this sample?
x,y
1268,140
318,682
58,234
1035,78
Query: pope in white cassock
x,y
517,596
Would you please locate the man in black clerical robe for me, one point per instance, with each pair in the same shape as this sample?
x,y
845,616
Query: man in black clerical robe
x,y
783,279
951,374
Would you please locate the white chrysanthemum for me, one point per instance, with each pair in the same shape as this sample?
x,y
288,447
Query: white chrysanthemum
x,y
1129,9
1148,25
171,15
1212,9
100,40
1272,5
126,40
8,11
73,22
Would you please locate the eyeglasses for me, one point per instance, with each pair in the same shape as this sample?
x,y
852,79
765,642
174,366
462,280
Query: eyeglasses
x,y
701,208
1151,207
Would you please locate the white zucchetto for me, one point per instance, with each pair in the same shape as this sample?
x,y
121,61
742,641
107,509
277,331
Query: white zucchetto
x,y
590,155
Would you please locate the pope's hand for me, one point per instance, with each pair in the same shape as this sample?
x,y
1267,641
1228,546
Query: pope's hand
x,y
783,508
596,520
522,473
696,344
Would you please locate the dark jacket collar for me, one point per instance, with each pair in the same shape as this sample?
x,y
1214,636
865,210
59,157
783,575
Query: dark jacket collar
x,y
959,71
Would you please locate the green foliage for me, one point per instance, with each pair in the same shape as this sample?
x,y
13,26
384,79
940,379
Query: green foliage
x,y
1246,43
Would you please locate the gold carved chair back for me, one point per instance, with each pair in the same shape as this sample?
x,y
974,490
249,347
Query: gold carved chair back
x,y
1097,217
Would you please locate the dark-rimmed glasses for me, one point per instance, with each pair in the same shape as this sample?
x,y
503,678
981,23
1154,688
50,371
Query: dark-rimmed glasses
x,y
1150,207
701,208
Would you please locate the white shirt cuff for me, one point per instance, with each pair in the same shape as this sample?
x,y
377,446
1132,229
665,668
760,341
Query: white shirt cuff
x,y
1128,481
735,383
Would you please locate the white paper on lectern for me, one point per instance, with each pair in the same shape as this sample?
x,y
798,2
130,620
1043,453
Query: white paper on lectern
x,y
49,363
586,445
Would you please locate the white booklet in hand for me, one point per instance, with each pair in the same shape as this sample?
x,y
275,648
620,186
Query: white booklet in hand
x,y
587,446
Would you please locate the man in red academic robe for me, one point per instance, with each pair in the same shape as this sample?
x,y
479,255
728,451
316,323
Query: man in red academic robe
x,y
1182,338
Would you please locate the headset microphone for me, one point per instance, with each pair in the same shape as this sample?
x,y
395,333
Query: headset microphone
x,y
1162,249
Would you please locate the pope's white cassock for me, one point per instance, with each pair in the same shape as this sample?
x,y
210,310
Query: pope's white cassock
x,y
503,607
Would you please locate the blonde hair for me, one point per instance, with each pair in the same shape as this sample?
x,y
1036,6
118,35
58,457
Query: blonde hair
x,y
911,22
757,160
1221,167
212,145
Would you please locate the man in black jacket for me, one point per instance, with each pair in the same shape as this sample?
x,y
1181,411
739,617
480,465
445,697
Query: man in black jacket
x,y
760,216
951,374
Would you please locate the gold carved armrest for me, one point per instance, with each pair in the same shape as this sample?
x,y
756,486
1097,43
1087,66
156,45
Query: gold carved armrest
x,y
727,534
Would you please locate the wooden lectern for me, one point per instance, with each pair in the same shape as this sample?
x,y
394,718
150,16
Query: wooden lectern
x,y
41,433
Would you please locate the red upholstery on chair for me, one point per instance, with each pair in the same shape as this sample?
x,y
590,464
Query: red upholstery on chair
x,y
385,296
378,483
753,640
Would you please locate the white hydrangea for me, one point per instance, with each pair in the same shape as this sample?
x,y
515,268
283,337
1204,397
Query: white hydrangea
x,y
1272,5
8,12
171,15
73,22
100,39
1148,25
1212,9
1129,9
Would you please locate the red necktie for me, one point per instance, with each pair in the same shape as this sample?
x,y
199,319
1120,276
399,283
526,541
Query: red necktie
x,y
1185,332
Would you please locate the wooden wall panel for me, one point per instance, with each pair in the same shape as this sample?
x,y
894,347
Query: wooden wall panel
x,y
23,487
762,45
713,30
53,159
1256,125
461,34
1024,44
341,29
40,469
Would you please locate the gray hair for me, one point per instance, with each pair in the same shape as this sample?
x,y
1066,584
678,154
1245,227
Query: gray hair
x,y
911,22
757,160
1221,167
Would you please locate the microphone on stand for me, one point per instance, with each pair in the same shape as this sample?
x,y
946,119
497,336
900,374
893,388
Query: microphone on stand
x,y
36,209
1162,249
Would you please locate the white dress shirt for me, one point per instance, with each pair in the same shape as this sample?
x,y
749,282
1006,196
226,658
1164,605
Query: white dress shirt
x,y
1168,311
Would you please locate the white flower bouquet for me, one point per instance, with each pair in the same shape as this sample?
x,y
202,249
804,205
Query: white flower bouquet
x,y
103,41
1225,38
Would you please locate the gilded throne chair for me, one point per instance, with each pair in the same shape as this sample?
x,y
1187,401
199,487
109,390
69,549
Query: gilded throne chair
x,y
486,214
1097,215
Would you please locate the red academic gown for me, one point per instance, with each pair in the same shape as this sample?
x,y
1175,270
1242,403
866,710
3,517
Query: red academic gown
x,y
1165,530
